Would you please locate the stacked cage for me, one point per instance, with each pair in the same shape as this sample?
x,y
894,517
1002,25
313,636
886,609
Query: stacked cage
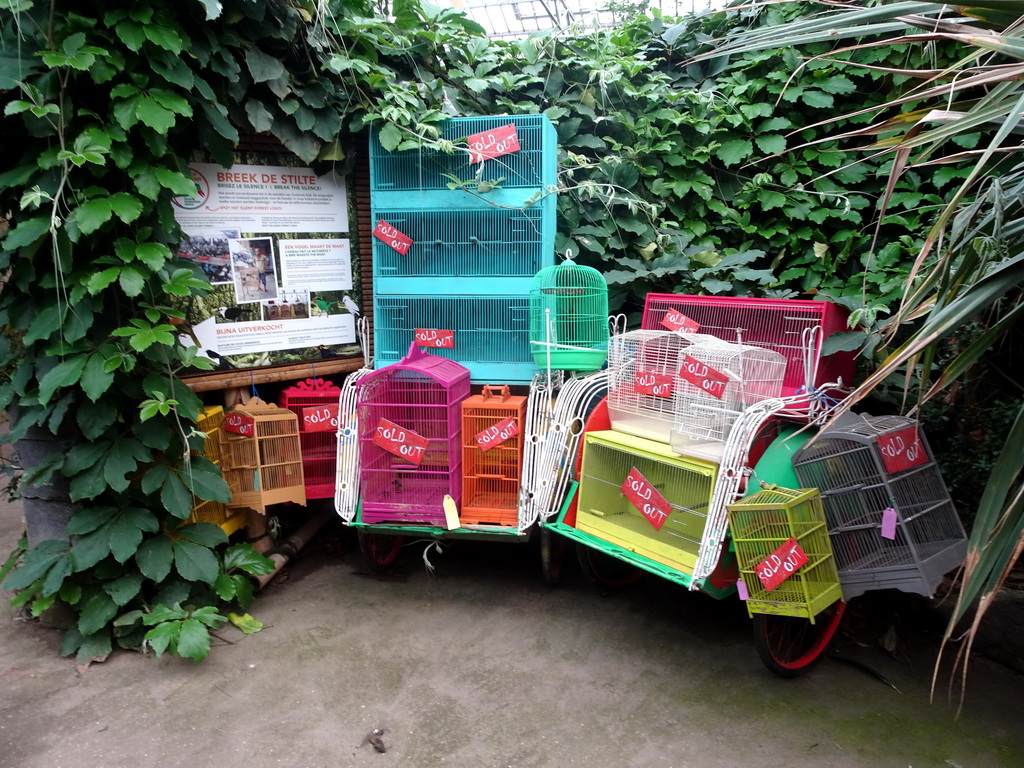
x,y
410,448
315,402
209,423
493,424
892,522
765,527
671,533
459,237
795,328
569,318
261,456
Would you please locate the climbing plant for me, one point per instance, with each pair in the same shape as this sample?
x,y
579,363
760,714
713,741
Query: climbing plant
x,y
673,176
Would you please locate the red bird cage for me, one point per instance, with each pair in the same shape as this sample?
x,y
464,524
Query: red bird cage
x,y
493,423
410,429
795,328
315,403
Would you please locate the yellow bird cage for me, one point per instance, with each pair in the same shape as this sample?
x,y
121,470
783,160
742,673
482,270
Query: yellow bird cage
x,y
261,456
216,512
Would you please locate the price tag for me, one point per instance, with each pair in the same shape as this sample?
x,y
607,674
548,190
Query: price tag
x,y
432,337
240,424
741,590
392,237
780,564
704,377
320,418
488,145
889,520
657,384
402,442
675,320
645,497
901,450
497,434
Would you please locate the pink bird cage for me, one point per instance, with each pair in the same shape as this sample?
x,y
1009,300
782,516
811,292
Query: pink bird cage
x,y
315,403
410,428
795,328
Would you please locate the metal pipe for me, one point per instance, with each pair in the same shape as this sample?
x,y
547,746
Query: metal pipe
x,y
290,547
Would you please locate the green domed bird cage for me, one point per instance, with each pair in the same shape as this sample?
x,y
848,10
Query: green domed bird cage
x,y
569,317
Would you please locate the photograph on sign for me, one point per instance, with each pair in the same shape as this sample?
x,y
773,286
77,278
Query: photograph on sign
x,y
252,264
209,249
274,242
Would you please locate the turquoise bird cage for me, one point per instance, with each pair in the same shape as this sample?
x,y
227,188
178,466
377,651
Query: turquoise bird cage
x,y
569,318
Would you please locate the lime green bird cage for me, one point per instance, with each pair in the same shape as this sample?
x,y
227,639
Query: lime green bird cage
x,y
569,318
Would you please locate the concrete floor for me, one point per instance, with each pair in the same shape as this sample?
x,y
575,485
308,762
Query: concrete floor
x,y
484,666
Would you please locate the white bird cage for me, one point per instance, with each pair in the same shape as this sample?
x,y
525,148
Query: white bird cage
x,y
719,381
643,368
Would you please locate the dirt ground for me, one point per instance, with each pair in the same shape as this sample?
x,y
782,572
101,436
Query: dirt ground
x,y
483,666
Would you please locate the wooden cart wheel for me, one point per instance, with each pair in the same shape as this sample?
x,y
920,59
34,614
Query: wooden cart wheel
x,y
379,550
552,556
790,645
604,569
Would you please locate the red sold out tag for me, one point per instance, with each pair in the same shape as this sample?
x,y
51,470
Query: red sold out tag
x,y
488,145
320,418
657,384
645,497
497,434
392,237
675,320
402,442
703,376
901,450
781,564
240,424
433,337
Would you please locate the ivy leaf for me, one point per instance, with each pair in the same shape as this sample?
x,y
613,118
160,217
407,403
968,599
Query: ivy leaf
x,y
88,484
175,497
99,281
95,381
206,534
164,37
164,636
735,151
818,99
88,519
154,558
121,461
97,612
153,255
124,589
224,586
54,580
770,199
38,561
245,590
771,144
262,66
390,137
259,116
94,418
150,112
27,232
125,206
177,182
193,640
843,341
63,375
94,647
245,558
207,485
46,322
93,214
245,622
195,563
132,281
836,84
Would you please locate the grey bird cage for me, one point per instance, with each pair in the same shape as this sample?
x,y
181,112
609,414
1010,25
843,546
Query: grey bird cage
x,y
890,517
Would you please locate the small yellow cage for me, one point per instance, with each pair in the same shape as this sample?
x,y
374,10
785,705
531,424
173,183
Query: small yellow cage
x,y
762,523
216,512
261,456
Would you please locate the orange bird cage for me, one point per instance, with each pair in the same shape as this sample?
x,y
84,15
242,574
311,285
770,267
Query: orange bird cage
x,y
315,403
261,456
493,423
210,422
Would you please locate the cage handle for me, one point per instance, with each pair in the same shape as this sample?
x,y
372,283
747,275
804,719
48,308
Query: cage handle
x,y
494,390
